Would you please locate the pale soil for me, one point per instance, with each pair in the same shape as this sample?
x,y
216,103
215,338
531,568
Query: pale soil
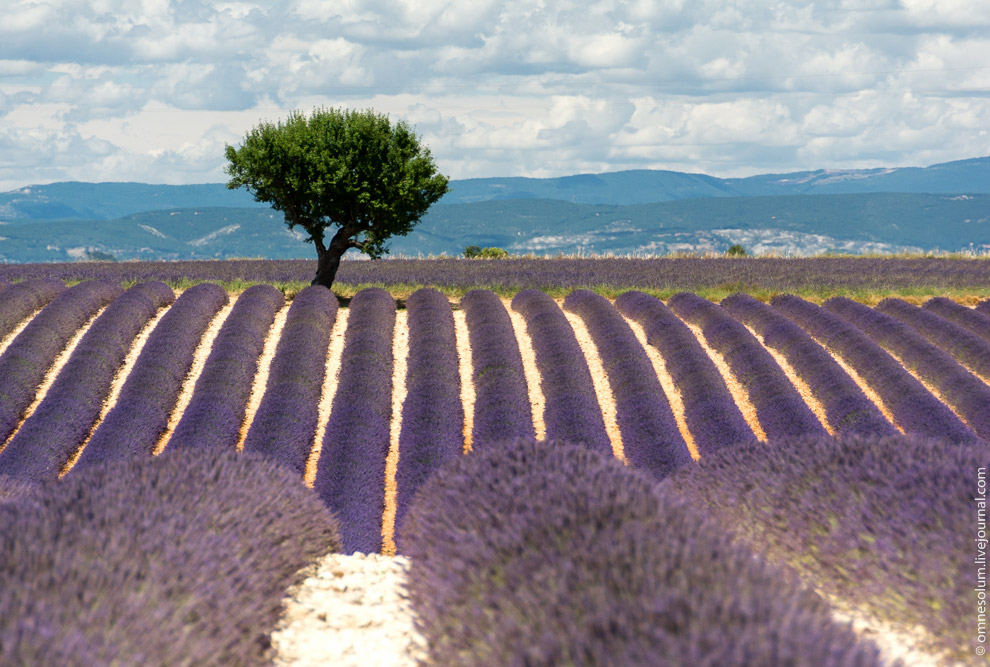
x,y
864,386
331,376
536,398
261,376
465,367
400,357
60,360
803,390
603,388
738,392
203,349
5,343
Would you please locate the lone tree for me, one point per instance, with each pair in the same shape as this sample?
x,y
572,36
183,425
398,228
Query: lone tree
x,y
351,170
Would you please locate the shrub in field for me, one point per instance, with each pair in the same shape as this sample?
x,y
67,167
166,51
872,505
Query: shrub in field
x,y
736,250
142,410
432,414
20,300
779,408
913,407
957,386
970,318
572,412
181,559
847,408
284,427
711,415
651,439
61,422
545,553
501,410
214,415
886,522
350,474
27,359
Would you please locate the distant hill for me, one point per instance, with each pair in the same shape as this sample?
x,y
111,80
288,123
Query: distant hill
x,y
786,224
104,201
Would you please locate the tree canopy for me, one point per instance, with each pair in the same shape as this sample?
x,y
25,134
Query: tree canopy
x,y
354,172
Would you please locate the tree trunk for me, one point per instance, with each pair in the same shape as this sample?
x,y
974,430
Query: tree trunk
x,y
328,259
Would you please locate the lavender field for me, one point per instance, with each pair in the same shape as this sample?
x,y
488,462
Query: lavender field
x,y
838,441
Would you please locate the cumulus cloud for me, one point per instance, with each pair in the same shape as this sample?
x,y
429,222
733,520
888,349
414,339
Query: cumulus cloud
x,y
152,90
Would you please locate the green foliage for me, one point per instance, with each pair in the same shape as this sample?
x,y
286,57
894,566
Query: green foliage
x,y
477,252
355,170
736,251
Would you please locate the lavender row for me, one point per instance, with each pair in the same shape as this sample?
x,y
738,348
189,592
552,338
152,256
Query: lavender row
x,y
182,559
501,410
20,300
285,424
847,408
27,359
968,348
140,416
971,318
547,553
572,412
651,439
350,475
779,408
914,409
712,417
958,387
432,414
214,416
48,438
779,274
983,307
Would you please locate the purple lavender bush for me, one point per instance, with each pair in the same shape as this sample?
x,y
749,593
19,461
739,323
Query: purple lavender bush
x,y
432,414
501,410
214,416
958,341
913,407
12,488
847,408
20,300
350,474
285,424
140,416
651,438
712,416
181,559
971,318
779,408
572,412
26,360
884,522
957,386
61,422
546,553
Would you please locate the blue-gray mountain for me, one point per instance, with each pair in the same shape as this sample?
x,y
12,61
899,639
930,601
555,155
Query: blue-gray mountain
x,y
944,207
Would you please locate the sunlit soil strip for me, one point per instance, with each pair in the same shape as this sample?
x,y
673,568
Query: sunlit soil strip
x,y
930,388
738,392
5,343
537,400
465,365
400,361
603,390
667,384
203,350
908,645
52,373
862,384
331,376
261,376
119,378
800,385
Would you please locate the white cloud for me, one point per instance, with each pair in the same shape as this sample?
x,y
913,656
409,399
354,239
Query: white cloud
x,y
120,88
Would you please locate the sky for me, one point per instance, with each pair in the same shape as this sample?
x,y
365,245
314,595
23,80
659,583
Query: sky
x,y
153,90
